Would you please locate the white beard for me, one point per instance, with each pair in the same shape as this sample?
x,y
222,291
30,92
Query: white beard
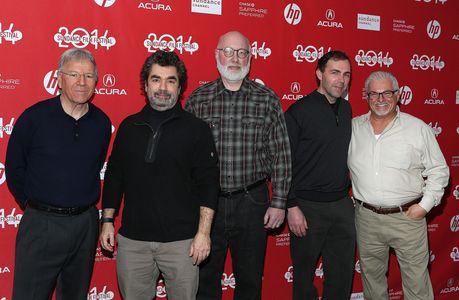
x,y
233,76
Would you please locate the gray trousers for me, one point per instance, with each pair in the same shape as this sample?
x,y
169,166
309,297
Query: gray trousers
x,y
139,263
54,250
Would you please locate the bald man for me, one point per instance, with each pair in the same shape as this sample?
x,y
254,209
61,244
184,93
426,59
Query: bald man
x,y
249,131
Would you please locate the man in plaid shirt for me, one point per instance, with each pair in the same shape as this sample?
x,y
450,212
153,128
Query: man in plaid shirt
x,y
250,134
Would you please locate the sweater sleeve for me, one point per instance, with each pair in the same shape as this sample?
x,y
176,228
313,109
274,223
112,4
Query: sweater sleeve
x,y
113,180
293,129
205,170
16,158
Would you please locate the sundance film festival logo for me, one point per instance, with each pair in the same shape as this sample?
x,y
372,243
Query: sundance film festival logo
x,y
109,80
368,22
436,129
50,83
228,281
105,3
6,128
261,50
330,20
406,95
167,42
9,35
94,294
372,58
11,219
433,29
454,224
292,14
434,98
309,53
425,62
154,5
81,38
213,7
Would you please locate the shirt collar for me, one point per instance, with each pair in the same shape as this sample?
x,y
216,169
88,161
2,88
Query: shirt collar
x,y
245,86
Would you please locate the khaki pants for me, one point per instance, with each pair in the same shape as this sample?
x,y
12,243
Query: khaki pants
x,y
139,263
375,235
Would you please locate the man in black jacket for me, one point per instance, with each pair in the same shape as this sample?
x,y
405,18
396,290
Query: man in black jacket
x,y
164,162
320,213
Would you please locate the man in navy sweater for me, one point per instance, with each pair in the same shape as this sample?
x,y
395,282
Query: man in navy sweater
x,y
320,213
53,162
164,163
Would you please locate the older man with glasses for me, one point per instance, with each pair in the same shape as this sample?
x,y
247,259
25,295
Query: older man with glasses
x,y
53,161
249,131
398,175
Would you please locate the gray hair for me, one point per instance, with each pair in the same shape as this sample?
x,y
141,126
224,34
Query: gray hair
x,y
77,54
381,75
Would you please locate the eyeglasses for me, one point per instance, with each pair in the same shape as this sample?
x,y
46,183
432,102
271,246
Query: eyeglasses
x,y
229,52
386,95
77,76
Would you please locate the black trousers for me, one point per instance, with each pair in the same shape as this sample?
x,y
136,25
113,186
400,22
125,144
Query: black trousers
x,y
238,226
331,234
55,250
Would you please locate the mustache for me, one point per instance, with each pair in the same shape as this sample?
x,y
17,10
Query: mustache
x,y
162,93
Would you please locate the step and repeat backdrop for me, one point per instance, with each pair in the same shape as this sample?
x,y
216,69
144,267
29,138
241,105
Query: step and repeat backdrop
x,y
417,40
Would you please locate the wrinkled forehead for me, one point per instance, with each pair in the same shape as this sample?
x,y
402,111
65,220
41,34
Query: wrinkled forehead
x,y
233,40
380,84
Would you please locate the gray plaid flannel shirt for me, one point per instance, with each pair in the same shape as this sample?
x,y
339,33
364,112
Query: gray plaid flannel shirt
x,y
250,135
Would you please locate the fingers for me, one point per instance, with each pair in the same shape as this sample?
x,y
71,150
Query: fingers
x,y
197,257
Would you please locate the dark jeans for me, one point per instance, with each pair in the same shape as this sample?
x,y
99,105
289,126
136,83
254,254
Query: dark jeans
x,y
331,233
238,225
52,248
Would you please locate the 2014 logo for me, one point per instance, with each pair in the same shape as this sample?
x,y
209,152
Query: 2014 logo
x,y
81,38
9,34
167,42
372,58
309,53
261,50
424,62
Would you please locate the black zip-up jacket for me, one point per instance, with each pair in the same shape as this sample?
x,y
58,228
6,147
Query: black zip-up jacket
x,y
165,175
319,141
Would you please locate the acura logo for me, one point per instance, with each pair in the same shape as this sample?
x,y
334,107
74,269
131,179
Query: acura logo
x,y
295,87
434,93
330,14
109,80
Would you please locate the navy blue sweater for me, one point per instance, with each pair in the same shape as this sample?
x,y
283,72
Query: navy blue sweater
x,y
53,158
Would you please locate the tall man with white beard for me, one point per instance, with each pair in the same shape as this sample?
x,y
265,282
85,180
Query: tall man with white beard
x,y
249,130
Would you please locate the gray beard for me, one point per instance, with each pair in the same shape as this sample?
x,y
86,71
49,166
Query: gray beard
x,y
233,76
